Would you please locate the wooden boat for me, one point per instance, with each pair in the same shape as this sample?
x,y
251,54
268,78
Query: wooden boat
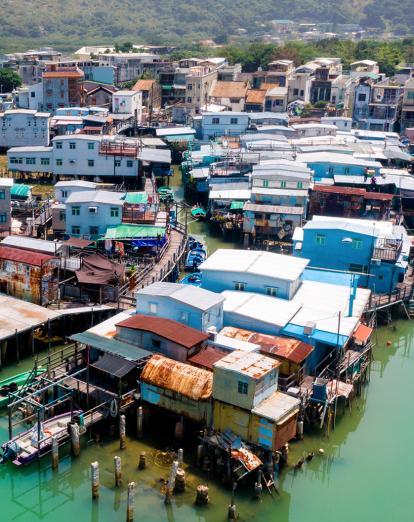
x,y
194,243
198,213
166,194
24,448
194,258
13,384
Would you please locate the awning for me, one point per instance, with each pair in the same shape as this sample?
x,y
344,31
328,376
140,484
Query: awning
x,y
20,190
114,365
362,334
237,205
78,242
136,198
133,231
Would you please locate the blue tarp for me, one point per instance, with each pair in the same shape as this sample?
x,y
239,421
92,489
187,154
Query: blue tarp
x,y
149,242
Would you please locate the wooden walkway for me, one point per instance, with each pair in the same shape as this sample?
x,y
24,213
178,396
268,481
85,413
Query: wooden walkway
x,y
403,293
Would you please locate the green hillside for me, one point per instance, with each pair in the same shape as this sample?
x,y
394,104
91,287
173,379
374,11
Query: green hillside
x,y
67,24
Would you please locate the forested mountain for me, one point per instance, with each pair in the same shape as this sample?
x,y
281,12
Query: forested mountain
x,y
68,23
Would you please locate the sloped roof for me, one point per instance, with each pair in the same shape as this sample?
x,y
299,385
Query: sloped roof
x,y
166,328
256,96
229,90
27,257
181,378
191,295
143,85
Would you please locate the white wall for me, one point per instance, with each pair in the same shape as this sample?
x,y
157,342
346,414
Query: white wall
x,y
20,128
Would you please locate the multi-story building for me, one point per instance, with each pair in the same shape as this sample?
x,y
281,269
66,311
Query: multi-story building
x,y
62,87
128,102
278,74
231,94
22,127
5,208
199,82
130,66
407,110
385,99
362,97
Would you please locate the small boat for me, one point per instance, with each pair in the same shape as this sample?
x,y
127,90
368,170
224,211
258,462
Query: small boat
x,y
194,243
198,213
15,383
166,194
194,258
192,279
25,447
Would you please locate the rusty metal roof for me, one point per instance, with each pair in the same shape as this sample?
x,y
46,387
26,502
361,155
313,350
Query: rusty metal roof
x,y
167,328
362,334
181,378
27,257
288,348
207,357
252,364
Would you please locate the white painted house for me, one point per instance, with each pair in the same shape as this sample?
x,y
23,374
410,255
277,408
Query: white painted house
x,y
128,102
89,213
64,189
22,127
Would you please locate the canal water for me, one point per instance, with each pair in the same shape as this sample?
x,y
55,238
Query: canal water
x,y
364,475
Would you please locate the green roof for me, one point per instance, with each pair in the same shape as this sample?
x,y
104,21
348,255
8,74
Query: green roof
x,y
136,198
21,190
237,205
111,345
133,231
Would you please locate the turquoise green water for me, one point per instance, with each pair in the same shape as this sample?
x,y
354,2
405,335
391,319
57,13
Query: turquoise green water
x,y
365,474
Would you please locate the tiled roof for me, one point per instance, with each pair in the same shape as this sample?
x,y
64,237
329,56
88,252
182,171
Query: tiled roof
x,y
27,257
229,90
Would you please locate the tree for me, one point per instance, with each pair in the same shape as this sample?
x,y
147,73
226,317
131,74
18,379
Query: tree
x,y
9,80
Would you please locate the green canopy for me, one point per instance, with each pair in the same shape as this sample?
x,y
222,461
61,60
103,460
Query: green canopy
x,y
133,231
136,198
20,190
237,205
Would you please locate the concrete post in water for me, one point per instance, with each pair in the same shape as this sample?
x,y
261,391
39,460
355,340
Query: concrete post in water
x,y
122,430
180,457
202,497
142,464
199,455
171,482
179,429
95,479
299,429
140,422
180,481
258,487
74,435
55,453
130,502
118,471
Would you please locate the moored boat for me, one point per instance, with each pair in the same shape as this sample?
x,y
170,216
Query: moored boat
x,y
27,446
14,383
192,279
198,213
194,258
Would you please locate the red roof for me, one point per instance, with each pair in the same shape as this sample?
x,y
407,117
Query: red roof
x,y
362,334
207,357
379,196
27,257
352,191
167,328
284,347
63,74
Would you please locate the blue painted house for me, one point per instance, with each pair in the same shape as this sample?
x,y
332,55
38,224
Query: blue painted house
x,y
186,304
330,164
376,248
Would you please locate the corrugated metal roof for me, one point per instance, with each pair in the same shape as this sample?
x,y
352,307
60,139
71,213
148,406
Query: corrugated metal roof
x,y
252,364
207,357
20,190
114,365
192,382
96,196
191,295
166,328
27,257
133,231
136,198
277,407
109,345
30,243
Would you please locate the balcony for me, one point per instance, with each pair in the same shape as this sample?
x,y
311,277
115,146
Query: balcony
x,y
387,249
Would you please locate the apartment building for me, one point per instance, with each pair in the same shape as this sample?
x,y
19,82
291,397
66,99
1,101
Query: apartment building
x,y
62,87
22,127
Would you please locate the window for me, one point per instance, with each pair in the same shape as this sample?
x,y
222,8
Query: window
x,y
362,96
44,161
153,308
72,145
130,163
156,343
271,290
93,231
283,184
30,161
117,163
356,244
265,183
331,170
243,387
2,194
299,185
3,217
64,193
346,170
91,163
62,215
410,95
75,211
233,121
91,146
239,286
320,239
295,92
189,87
59,162
58,144
114,212
75,230
215,121
189,99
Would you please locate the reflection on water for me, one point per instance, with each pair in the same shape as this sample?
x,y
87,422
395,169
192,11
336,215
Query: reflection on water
x,y
366,468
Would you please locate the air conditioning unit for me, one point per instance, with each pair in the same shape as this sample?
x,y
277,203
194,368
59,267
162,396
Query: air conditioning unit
x,y
72,161
309,328
93,210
